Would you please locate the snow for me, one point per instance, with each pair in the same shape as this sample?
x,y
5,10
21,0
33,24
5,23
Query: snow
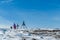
x,y
20,35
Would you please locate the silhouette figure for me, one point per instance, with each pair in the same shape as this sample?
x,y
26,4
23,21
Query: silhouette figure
x,y
14,26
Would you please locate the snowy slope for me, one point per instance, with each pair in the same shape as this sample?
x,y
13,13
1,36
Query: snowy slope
x,y
20,35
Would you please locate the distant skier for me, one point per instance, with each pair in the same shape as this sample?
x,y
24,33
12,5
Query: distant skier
x,y
23,26
14,26
17,26
11,27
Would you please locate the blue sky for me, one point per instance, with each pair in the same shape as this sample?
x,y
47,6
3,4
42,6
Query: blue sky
x,y
36,13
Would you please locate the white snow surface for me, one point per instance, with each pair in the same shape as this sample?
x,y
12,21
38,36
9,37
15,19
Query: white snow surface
x,y
19,35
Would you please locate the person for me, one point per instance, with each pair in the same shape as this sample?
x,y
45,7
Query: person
x,y
14,26
17,26
11,27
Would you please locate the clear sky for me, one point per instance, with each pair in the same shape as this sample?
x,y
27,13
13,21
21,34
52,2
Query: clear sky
x,y
35,13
